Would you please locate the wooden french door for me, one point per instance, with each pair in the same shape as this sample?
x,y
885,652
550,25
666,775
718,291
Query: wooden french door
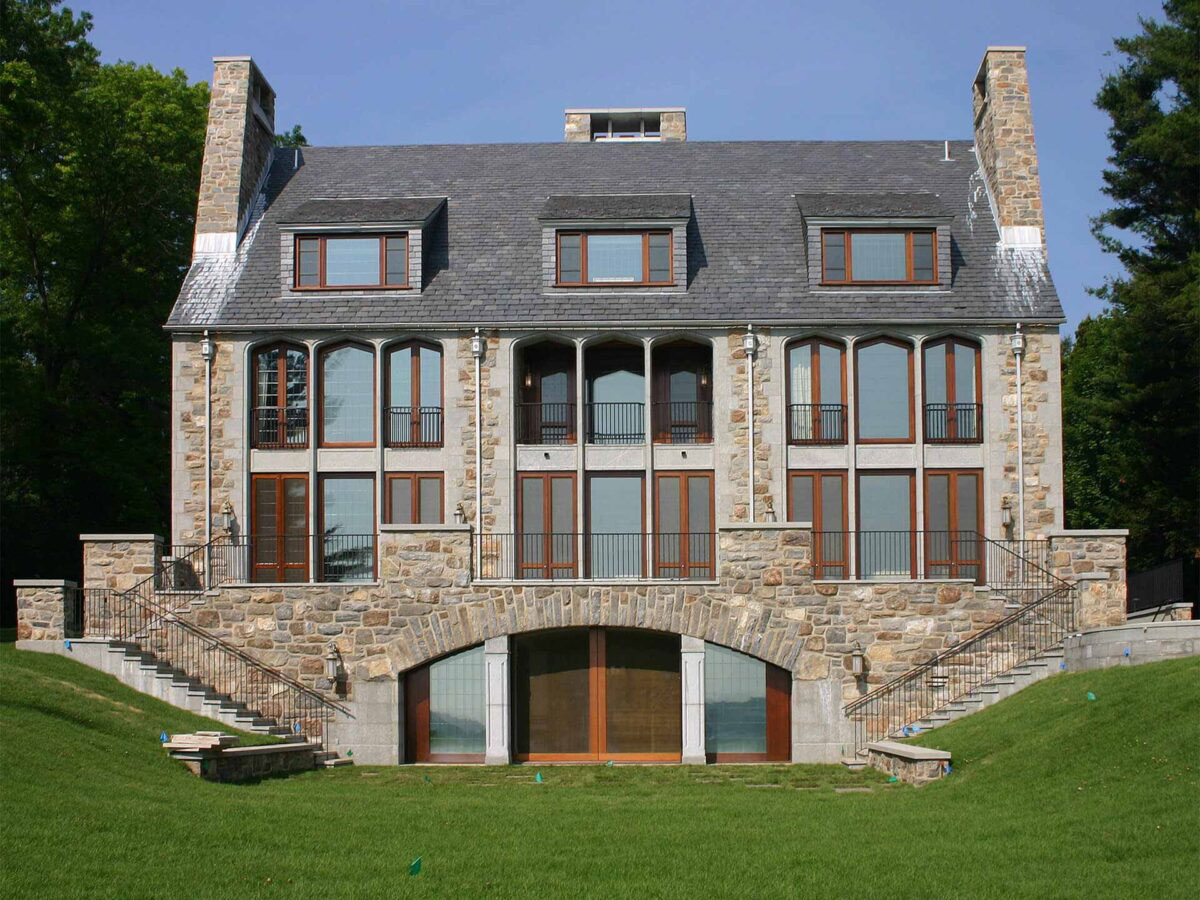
x,y
279,537
546,533
684,538
588,694
819,497
953,523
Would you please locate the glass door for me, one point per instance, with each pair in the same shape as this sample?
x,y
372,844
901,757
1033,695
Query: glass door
x,y
279,532
953,524
546,535
683,525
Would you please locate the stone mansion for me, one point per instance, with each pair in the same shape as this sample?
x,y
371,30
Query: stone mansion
x,y
628,447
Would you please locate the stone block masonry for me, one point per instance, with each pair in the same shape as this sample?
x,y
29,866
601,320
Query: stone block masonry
x,y
1094,561
911,764
119,561
41,607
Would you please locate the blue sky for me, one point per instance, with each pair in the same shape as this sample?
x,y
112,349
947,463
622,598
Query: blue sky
x,y
453,72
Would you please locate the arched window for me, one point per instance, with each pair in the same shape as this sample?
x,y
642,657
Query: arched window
x,y
546,395
347,396
883,390
279,414
816,392
682,387
414,415
953,411
445,713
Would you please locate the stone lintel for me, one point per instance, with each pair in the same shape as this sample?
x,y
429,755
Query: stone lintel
x,y
44,583
122,537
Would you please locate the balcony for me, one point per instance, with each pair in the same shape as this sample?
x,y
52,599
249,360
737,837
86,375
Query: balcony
x,y
683,422
419,426
545,423
910,555
817,424
555,556
615,423
953,423
279,428
289,558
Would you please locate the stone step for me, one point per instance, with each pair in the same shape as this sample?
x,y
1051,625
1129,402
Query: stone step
x,y
336,763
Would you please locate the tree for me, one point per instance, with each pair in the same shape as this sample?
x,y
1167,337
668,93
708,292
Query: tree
x,y
1131,380
99,171
293,138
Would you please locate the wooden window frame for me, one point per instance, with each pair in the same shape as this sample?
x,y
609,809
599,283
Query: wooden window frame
x,y
532,366
584,233
381,285
952,508
415,388
587,515
779,721
665,360
814,344
908,256
322,352
415,478
281,390
319,536
819,519
280,532
912,516
950,342
416,719
683,568
912,400
598,710
549,567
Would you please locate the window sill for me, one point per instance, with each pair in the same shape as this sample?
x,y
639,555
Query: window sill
x,y
300,584
391,527
594,582
894,579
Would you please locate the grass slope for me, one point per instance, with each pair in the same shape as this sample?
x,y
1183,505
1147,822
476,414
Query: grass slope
x,y
1052,796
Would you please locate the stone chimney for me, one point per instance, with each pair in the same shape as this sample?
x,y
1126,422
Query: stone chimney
x,y
604,125
1004,145
237,152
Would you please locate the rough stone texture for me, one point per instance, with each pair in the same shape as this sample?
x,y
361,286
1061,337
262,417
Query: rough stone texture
x,y
233,764
237,145
765,604
672,126
494,404
912,771
120,563
1004,137
1095,563
577,127
40,609
737,437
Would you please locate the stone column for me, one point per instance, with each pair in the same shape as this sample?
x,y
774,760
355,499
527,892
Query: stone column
x,y
691,671
41,608
498,728
119,561
1094,561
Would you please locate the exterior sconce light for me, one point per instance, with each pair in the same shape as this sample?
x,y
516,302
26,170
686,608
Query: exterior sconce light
x,y
207,348
1017,340
750,341
225,518
460,515
857,660
1006,518
477,344
769,515
704,378
528,379
335,671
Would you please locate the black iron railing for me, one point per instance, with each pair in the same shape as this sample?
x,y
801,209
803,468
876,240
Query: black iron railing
x,y
279,427
682,422
291,558
548,556
817,423
196,657
1034,628
545,423
1177,581
414,426
953,423
616,423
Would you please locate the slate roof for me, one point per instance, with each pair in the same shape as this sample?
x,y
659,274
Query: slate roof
x,y
350,211
617,206
745,239
914,204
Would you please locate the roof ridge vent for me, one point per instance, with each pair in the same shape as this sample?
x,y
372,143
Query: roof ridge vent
x,y
625,124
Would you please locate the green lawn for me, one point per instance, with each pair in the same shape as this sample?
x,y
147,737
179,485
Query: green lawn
x,y
1052,795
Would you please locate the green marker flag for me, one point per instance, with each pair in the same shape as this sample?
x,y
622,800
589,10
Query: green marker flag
x,y
1091,696
609,763
414,867
538,778
428,780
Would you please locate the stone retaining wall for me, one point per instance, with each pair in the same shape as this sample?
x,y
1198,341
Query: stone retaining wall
x,y
1094,561
119,561
40,608
911,764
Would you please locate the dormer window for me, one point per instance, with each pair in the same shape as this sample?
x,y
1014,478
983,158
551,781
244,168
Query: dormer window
x,y
355,261
878,256
614,258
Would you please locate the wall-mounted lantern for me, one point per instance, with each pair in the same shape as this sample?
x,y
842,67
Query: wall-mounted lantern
x,y
1006,516
857,660
769,515
460,515
224,520
750,341
335,670
477,344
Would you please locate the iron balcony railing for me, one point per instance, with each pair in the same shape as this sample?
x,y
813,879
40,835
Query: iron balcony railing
x,y
137,618
279,428
293,558
1177,581
616,423
817,423
682,422
414,426
545,423
953,423
549,556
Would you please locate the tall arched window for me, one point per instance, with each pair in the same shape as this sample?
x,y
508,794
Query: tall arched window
x,y
279,414
414,415
953,409
816,392
347,396
883,391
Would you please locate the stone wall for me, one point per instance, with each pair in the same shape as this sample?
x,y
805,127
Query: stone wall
x,y
1094,561
736,439
910,764
40,608
119,561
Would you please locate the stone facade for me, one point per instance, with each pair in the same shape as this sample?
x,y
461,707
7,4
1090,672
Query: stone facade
x,y
1004,137
1094,561
237,146
119,561
736,437
40,609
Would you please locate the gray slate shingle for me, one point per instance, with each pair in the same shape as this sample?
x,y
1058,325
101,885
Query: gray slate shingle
x,y
861,203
